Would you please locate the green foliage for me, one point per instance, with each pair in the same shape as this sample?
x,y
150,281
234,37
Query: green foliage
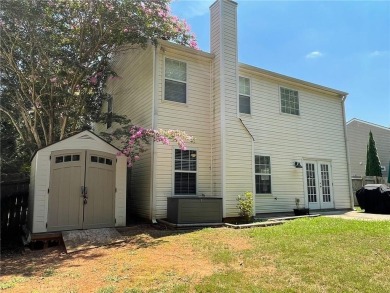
x,y
373,165
11,283
109,289
14,158
115,278
49,272
245,205
55,60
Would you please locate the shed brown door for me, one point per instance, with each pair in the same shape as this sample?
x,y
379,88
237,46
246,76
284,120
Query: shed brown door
x,y
82,190
65,210
99,209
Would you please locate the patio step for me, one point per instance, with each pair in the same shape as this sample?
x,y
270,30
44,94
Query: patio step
x,y
255,224
288,218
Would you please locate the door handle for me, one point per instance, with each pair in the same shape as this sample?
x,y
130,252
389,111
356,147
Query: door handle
x,y
84,191
84,194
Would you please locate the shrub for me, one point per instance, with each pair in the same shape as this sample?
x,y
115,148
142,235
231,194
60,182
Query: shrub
x,y
245,205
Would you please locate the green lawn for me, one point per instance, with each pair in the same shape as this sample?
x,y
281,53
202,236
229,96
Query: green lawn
x,y
306,255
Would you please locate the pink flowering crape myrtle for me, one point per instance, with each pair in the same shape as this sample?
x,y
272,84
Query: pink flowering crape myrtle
x,y
140,137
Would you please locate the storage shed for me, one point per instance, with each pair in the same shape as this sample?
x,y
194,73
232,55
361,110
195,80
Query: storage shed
x,y
77,183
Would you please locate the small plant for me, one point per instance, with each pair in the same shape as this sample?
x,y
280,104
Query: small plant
x,y
11,283
245,205
297,201
300,211
110,289
115,279
48,272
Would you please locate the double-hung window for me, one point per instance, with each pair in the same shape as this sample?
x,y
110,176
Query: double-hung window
x,y
185,172
289,101
263,174
244,95
175,81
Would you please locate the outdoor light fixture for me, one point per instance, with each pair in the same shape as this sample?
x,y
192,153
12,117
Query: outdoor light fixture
x,y
297,165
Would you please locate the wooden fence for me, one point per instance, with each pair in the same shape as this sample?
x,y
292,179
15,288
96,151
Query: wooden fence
x,y
14,209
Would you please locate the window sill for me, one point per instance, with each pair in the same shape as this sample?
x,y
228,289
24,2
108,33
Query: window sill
x,y
264,194
173,103
289,115
245,115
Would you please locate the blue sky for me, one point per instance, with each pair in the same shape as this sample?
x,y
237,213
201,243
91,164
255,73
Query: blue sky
x,y
344,45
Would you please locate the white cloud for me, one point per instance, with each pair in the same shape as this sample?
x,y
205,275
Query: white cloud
x,y
192,8
378,53
314,54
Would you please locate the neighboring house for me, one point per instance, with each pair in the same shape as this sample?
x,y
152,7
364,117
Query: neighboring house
x,y
254,129
357,135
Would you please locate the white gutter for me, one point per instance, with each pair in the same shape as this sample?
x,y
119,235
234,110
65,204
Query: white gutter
x,y
153,146
344,97
289,79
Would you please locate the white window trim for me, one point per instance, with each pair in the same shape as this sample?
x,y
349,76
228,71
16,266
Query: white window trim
x,y
270,174
174,171
164,78
280,101
250,96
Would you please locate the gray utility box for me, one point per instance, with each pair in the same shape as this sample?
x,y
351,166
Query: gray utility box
x,y
194,209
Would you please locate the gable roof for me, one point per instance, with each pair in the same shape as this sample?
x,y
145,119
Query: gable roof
x,y
85,136
368,123
257,70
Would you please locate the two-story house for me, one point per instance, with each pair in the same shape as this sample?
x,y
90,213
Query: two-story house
x,y
279,137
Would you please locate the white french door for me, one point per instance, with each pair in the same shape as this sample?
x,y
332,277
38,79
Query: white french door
x,y
318,185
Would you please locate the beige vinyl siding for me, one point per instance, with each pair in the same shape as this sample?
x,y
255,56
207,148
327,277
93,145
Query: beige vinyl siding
x,y
193,117
358,134
316,134
132,93
41,180
236,147
215,23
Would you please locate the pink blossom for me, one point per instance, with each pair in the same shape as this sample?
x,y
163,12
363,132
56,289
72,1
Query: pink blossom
x,y
194,44
93,80
53,79
140,136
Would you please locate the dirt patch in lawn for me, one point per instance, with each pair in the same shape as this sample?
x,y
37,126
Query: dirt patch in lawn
x,y
147,259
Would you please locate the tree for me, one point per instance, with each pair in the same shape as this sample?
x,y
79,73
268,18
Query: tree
x,y
373,165
14,158
55,60
134,141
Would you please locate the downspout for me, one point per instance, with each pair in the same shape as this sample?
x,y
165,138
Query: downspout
x,y
154,125
253,168
347,152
